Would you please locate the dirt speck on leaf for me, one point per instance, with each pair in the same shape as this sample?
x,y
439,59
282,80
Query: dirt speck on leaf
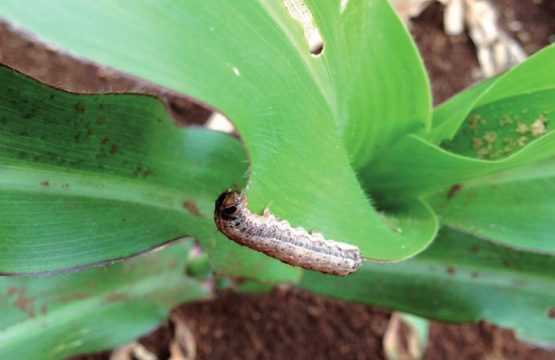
x,y
454,190
24,302
11,290
79,107
116,297
192,208
74,296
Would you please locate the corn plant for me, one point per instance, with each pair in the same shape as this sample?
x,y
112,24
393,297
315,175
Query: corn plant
x,y
342,140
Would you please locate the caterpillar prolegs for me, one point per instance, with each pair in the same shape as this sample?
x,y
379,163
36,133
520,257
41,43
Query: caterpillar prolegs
x,y
278,239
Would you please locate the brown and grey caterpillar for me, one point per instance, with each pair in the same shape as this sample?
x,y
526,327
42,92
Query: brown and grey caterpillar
x,y
278,239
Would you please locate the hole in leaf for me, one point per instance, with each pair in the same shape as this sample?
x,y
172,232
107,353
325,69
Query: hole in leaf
x,y
219,122
300,12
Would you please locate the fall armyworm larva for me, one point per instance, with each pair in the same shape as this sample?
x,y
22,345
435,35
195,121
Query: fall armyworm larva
x,y
278,239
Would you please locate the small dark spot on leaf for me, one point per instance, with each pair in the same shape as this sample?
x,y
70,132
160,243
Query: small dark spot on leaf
x,y
454,190
79,107
124,220
147,173
551,313
11,290
192,208
520,282
24,303
451,270
65,186
105,141
474,274
116,297
24,133
114,149
51,96
511,264
76,137
73,203
74,296
474,249
45,183
172,264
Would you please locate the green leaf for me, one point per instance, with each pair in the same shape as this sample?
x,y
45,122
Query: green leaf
x,y
430,168
57,316
412,219
459,278
534,74
448,116
514,208
500,128
494,203
383,92
517,214
501,114
253,65
91,178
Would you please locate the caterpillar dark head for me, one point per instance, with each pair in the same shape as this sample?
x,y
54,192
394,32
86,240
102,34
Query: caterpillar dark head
x,y
228,205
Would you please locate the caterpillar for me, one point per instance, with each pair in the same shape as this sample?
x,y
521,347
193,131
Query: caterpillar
x,y
278,239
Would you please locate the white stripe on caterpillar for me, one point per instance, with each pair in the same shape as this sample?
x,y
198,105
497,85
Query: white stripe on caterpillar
x,y
278,239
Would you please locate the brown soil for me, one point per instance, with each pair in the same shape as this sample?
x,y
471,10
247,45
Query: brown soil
x,y
284,324
293,324
450,60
